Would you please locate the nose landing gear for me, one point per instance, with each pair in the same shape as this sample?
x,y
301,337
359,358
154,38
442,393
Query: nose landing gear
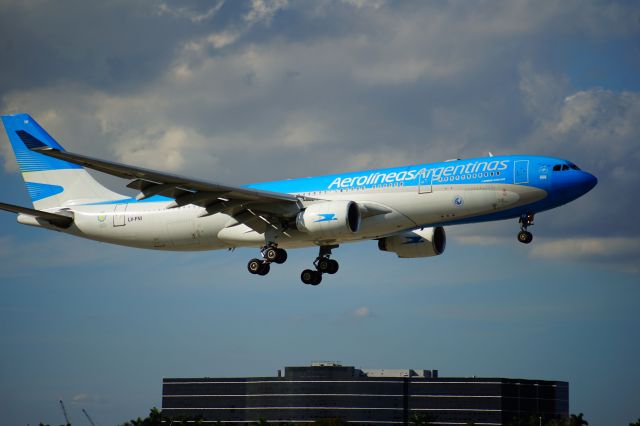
x,y
324,265
526,220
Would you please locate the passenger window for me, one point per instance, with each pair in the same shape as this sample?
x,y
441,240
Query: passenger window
x,y
556,168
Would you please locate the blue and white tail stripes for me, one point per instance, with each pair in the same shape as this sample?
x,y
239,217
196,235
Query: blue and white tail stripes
x,y
23,130
50,182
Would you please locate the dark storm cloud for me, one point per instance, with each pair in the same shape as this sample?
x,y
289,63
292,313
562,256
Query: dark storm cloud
x,y
111,45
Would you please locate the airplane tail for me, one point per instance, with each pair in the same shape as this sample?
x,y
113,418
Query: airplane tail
x,y
50,182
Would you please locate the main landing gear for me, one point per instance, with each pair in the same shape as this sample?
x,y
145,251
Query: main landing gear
x,y
270,254
324,265
525,236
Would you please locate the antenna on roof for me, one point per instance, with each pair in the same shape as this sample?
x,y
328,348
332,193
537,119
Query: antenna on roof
x,y
490,154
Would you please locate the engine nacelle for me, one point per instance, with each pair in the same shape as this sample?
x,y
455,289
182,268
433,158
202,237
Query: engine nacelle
x,y
419,243
330,220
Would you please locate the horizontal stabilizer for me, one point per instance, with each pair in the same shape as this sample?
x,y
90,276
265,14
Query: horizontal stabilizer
x,y
53,218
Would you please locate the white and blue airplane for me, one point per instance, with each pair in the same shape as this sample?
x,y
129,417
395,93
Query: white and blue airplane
x,y
403,208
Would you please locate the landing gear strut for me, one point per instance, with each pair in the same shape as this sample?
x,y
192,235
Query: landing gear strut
x,y
324,265
270,254
526,220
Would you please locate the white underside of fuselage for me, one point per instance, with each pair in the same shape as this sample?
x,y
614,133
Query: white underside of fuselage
x,y
152,225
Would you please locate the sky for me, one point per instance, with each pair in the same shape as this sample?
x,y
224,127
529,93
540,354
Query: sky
x,y
246,91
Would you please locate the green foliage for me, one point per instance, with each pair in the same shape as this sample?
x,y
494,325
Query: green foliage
x,y
156,418
577,420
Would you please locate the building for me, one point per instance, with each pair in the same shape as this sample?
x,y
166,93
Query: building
x,y
330,390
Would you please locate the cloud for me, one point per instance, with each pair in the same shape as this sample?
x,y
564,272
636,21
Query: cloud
x,y
194,16
264,10
623,250
156,148
598,129
481,240
86,398
362,312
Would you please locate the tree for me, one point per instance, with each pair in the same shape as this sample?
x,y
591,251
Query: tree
x,y
636,423
156,418
578,420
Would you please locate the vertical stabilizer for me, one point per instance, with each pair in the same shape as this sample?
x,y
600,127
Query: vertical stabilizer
x,y
50,182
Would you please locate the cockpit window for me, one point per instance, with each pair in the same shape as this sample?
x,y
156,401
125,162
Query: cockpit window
x,y
556,168
573,166
565,167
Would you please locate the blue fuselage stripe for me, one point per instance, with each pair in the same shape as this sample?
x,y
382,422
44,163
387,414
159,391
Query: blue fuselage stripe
x,y
475,171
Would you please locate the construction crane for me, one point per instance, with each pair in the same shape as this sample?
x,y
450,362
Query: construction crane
x,y
88,417
64,411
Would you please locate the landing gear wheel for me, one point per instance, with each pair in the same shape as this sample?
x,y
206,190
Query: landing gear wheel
x,y
275,255
254,266
264,269
329,266
333,266
271,254
324,264
281,256
525,237
311,277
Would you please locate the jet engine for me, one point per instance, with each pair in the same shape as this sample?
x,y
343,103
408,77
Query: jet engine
x,y
330,219
418,243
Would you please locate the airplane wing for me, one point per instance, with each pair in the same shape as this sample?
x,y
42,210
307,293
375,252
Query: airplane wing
x,y
53,218
255,208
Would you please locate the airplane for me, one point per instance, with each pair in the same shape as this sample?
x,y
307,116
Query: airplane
x,y
404,208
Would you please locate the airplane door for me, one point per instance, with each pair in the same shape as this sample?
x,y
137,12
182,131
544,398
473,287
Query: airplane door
x,y
425,185
521,171
119,214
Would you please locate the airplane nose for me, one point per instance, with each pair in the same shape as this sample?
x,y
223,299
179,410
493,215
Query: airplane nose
x,y
588,182
569,186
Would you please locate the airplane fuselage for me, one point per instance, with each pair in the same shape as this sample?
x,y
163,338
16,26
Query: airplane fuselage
x,y
426,195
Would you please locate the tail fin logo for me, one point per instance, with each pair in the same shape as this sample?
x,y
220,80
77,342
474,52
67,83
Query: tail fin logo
x,y
25,134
